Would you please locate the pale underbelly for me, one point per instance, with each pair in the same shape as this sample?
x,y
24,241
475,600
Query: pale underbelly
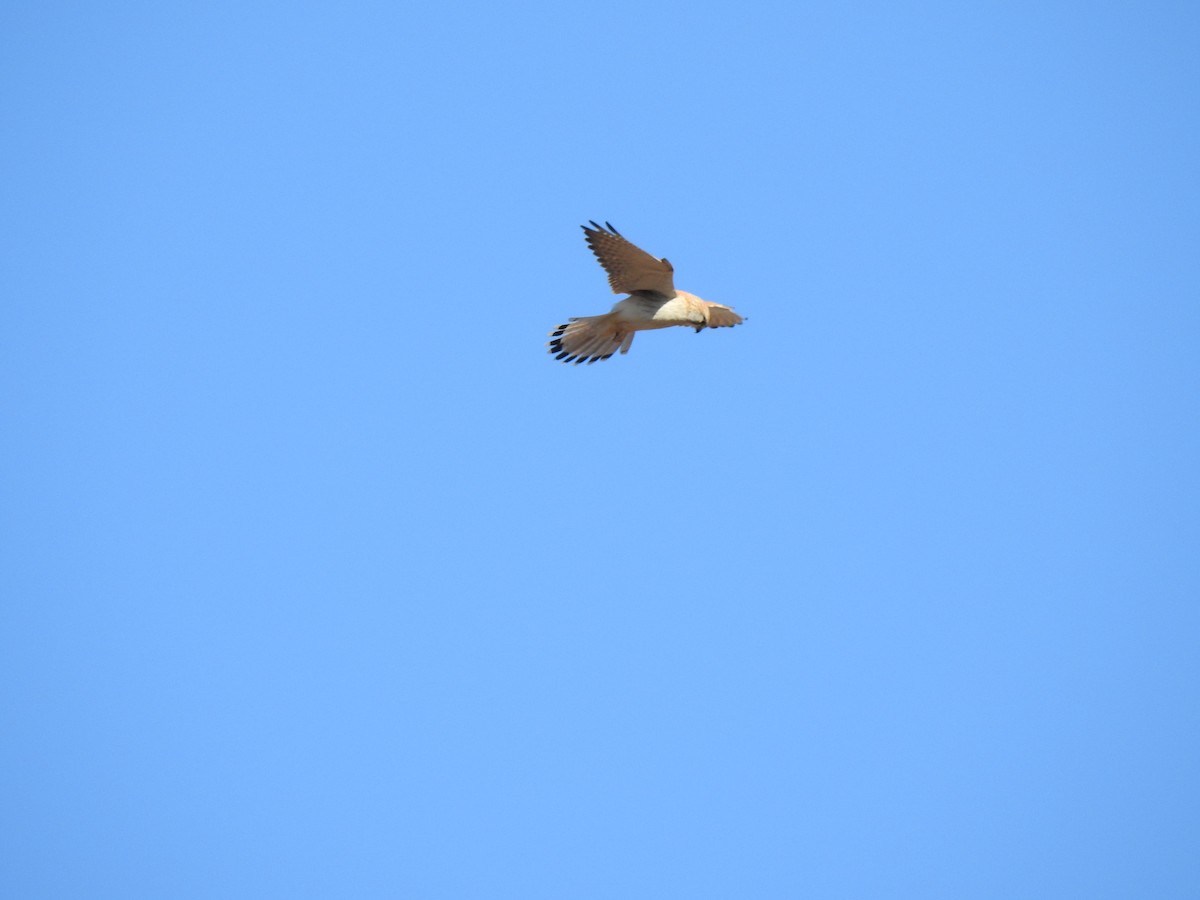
x,y
644,315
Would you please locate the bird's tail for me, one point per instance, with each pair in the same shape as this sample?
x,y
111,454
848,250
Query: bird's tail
x,y
589,338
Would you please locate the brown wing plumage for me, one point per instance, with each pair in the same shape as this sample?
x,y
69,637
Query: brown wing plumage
x,y
722,316
629,267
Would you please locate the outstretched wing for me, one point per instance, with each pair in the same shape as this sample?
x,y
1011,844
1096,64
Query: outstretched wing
x,y
629,267
722,316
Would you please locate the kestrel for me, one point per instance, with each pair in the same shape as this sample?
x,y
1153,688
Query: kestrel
x,y
653,302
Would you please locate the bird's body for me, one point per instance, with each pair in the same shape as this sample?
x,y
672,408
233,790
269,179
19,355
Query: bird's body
x,y
653,302
646,311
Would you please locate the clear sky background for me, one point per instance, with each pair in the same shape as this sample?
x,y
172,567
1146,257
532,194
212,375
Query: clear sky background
x,y
322,579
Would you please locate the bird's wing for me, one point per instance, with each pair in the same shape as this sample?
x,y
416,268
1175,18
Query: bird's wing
x,y
629,267
722,316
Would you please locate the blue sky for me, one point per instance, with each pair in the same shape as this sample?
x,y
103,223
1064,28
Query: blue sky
x,y
320,578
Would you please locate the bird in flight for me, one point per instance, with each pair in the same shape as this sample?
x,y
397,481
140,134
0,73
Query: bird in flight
x,y
653,302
